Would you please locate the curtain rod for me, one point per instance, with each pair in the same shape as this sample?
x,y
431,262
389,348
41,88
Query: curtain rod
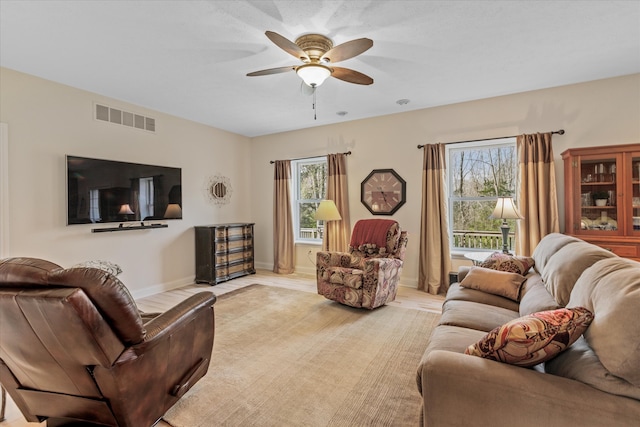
x,y
311,157
558,132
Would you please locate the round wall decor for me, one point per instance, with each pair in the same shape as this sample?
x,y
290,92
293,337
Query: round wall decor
x,y
217,189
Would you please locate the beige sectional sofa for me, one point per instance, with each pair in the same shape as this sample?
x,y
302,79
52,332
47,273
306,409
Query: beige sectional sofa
x,y
594,382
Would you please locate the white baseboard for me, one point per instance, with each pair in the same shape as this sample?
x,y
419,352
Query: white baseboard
x,y
162,287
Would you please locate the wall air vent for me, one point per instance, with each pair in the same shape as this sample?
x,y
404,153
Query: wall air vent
x,y
125,118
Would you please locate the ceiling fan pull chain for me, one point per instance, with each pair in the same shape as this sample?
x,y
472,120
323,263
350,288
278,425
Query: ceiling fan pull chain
x,y
314,103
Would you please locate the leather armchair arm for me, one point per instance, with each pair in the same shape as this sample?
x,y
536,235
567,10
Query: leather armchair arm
x,y
170,319
169,322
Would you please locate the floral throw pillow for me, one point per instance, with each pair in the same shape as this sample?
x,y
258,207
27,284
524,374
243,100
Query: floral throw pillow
x,y
506,262
533,339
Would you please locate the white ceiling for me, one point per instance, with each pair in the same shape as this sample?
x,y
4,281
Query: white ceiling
x,y
190,58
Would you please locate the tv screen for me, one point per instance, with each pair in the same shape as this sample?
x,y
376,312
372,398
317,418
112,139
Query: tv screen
x,y
104,191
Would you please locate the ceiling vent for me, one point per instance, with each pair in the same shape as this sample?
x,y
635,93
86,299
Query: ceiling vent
x,y
125,118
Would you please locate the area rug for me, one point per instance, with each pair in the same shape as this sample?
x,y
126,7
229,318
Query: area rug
x,y
290,358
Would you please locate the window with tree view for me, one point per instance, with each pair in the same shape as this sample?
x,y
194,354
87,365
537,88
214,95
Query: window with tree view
x,y
479,173
309,188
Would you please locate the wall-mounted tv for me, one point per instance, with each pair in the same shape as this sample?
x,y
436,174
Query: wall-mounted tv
x,y
104,191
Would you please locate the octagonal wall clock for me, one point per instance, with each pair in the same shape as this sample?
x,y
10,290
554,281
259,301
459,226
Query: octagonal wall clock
x,y
383,192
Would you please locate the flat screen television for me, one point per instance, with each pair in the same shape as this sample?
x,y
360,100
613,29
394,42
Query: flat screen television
x,y
106,191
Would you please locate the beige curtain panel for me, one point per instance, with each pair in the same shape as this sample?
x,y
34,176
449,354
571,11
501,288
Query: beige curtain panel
x,y
283,248
435,258
537,194
337,233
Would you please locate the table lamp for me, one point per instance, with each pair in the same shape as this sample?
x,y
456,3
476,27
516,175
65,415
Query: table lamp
x,y
504,210
327,211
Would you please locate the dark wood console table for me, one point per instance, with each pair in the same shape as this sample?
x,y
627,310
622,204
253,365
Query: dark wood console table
x,y
224,252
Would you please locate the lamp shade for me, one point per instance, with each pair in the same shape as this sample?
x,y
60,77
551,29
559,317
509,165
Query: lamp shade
x,y
313,74
327,211
505,209
125,210
173,211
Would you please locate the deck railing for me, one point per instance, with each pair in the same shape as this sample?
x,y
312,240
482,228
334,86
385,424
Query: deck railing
x,y
461,238
310,233
480,240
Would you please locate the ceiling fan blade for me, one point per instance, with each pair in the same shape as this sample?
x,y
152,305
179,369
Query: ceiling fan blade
x,y
347,50
272,71
351,76
287,45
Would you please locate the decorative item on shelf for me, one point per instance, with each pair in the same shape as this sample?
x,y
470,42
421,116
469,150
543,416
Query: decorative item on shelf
x,y
612,172
327,211
600,198
217,189
383,192
504,210
585,199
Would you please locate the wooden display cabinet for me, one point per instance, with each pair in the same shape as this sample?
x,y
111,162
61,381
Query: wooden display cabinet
x,y
611,173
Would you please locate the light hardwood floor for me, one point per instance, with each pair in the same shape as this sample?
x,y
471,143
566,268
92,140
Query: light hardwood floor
x,y
407,298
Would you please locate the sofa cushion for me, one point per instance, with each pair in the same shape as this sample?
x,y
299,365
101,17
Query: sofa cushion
x,y
535,296
548,246
457,292
474,315
495,282
580,363
452,338
533,339
507,262
611,290
563,269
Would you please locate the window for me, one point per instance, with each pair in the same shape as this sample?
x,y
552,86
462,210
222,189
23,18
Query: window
x,y
309,188
479,173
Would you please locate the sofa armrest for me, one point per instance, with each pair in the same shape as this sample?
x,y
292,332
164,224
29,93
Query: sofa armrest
x,y
384,264
462,272
462,390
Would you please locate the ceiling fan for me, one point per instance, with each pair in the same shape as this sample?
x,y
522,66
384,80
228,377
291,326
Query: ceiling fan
x,y
318,55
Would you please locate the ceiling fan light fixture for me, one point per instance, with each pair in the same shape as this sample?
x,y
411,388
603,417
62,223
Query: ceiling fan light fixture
x,y
313,74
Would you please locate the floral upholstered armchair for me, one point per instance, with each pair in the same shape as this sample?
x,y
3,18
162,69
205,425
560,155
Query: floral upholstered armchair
x,y
368,275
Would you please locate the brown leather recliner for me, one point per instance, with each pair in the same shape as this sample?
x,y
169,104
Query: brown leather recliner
x,y
73,346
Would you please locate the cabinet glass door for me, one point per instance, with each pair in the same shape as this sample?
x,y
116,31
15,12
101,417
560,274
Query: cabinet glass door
x,y
599,200
634,223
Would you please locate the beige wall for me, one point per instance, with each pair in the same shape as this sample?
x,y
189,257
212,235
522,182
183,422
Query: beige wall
x,y
594,113
46,121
